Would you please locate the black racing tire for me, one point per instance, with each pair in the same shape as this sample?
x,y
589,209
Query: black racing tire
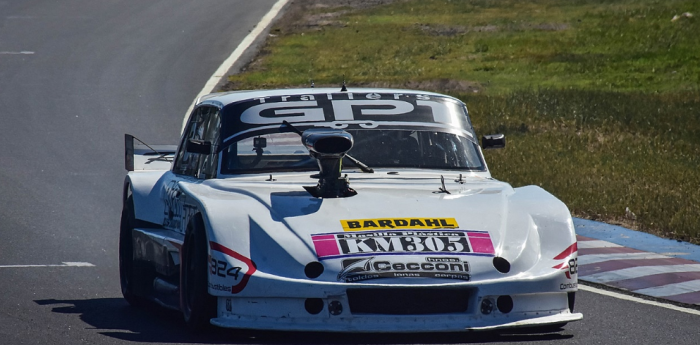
x,y
553,328
557,327
127,275
198,306
572,300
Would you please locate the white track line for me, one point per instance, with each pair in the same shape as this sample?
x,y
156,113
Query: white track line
x,y
24,52
637,299
65,264
595,258
640,271
597,244
671,289
226,65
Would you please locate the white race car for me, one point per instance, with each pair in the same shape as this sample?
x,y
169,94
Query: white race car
x,y
363,210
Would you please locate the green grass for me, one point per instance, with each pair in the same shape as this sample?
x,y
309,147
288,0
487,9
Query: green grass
x,y
600,100
500,45
602,152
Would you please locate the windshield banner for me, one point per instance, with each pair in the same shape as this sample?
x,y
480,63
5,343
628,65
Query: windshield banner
x,y
344,110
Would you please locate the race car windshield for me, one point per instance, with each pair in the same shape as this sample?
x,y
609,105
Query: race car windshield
x,y
377,148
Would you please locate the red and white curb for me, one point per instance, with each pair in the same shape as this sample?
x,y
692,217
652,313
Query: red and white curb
x,y
641,272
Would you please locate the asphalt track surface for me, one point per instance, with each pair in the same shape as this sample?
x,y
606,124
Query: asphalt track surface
x,y
76,75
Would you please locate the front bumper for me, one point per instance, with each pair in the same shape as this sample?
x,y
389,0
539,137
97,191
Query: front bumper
x,y
292,314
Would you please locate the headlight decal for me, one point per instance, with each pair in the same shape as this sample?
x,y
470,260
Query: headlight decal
x,y
571,265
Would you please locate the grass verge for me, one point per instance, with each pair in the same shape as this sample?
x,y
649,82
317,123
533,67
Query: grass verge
x,y
600,100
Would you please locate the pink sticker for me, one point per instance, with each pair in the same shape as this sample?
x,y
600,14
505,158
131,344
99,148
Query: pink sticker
x,y
325,245
481,242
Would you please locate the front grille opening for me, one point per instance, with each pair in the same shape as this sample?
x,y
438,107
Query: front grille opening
x,y
408,301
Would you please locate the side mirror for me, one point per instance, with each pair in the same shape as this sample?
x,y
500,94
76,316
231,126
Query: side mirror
x,y
493,141
198,146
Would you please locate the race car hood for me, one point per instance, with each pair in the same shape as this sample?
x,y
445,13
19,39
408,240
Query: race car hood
x,y
473,217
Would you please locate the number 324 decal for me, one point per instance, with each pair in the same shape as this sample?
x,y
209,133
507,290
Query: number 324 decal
x,y
220,268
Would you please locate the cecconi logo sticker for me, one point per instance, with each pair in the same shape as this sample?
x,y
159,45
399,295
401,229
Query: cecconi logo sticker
x,y
398,223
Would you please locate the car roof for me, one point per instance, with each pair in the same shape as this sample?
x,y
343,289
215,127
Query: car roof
x,y
225,98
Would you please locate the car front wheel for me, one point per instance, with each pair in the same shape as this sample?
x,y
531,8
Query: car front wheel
x,y
198,306
126,255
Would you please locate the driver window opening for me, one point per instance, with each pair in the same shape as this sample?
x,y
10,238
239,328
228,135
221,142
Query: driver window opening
x,y
203,125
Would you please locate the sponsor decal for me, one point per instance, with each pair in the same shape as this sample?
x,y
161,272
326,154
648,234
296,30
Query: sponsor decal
x,y
237,269
398,223
359,269
565,286
222,269
571,266
343,110
372,243
219,287
177,212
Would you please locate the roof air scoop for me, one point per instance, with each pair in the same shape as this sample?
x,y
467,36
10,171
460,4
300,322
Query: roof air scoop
x,y
328,147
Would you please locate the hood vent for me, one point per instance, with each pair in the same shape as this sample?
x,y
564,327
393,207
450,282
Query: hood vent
x,y
328,147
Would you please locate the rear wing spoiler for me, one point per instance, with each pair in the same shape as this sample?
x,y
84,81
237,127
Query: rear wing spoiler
x,y
147,157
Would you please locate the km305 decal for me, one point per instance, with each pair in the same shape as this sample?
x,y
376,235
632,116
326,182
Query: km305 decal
x,y
358,269
372,243
398,223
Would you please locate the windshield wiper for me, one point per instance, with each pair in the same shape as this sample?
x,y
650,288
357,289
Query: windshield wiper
x,y
354,160
359,164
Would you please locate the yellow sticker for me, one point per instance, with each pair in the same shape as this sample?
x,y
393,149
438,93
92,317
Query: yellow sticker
x,y
398,223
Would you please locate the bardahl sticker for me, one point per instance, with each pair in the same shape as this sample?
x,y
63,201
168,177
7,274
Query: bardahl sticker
x,y
402,242
398,223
